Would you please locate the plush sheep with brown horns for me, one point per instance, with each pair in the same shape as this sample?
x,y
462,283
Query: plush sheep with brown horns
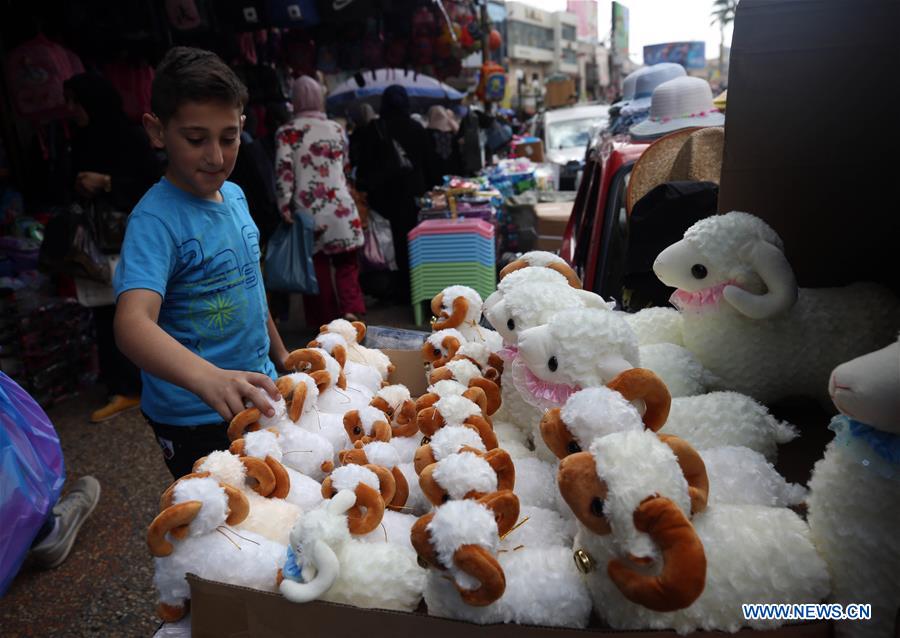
x,y
374,487
469,473
193,534
334,395
440,346
466,410
459,307
329,564
471,578
360,377
400,408
543,259
355,333
650,564
746,320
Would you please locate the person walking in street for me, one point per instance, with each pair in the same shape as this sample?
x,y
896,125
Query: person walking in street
x,y
391,184
113,165
310,156
442,128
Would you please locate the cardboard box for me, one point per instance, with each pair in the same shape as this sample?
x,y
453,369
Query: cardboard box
x,y
552,217
532,150
550,243
227,611
409,369
559,93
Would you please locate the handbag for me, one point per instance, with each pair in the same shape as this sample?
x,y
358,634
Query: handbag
x,y
70,248
289,257
107,224
378,249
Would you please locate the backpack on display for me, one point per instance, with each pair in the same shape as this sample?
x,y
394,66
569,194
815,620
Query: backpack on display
x,y
35,72
187,15
293,13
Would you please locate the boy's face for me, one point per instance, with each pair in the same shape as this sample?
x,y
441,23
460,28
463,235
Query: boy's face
x,y
201,140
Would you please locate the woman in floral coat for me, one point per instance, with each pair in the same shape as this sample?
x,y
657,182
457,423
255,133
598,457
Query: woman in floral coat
x,y
310,154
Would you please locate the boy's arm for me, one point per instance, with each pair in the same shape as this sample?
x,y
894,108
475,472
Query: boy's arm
x,y
277,352
141,339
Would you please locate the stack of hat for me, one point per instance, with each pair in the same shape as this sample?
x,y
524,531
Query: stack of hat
x,y
447,252
684,102
637,90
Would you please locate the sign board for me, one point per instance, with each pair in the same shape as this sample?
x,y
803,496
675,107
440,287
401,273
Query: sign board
x,y
690,55
620,29
586,11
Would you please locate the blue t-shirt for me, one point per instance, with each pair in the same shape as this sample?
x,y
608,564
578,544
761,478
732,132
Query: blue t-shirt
x,y
202,257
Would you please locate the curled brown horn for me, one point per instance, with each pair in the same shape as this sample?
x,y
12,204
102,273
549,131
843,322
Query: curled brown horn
x,y
305,356
314,344
170,518
282,479
459,308
476,395
583,491
405,419
238,505
643,384
440,374
327,488
477,562
491,393
426,401
342,381
429,421
298,398
557,435
243,420
423,458
353,456
502,464
237,447
485,430
505,506
169,494
683,575
257,469
368,498
285,386
381,431
387,484
421,542
322,379
512,266
431,488
566,271
360,330
339,353
693,468
495,362
401,494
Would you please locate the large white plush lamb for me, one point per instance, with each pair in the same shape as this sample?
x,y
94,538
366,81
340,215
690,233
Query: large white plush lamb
x,y
854,505
656,567
748,322
329,564
193,534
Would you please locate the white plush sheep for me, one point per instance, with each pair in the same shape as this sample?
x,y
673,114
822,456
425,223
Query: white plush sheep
x,y
193,534
354,333
529,585
362,378
655,567
748,322
440,346
460,307
541,259
397,403
331,565
854,505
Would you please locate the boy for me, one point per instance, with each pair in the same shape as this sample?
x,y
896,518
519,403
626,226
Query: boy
x,y
191,309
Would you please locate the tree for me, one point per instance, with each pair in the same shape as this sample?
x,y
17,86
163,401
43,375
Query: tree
x,y
723,15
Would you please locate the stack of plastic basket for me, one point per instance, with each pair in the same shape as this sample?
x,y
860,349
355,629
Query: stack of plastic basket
x,y
450,252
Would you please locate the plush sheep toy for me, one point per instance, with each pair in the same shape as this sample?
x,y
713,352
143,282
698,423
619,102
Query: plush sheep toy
x,y
589,348
459,410
542,259
397,404
361,378
854,507
748,322
471,578
334,395
193,534
354,333
652,565
440,346
325,562
459,307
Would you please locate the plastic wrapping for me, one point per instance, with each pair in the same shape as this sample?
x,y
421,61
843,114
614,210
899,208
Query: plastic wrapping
x,y
32,470
378,251
289,257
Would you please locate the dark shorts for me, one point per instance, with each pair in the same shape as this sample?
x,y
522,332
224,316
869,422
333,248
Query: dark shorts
x,y
182,445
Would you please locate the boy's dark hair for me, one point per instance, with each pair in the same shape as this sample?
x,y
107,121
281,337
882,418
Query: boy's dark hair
x,y
187,74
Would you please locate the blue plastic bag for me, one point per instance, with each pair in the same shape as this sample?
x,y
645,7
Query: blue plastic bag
x,y
289,257
31,475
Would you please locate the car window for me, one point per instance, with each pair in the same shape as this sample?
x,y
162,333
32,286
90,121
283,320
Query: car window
x,y
571,133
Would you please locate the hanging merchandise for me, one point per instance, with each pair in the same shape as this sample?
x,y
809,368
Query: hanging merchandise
x,y
338,11
35,71
187,15
492,86
299,53
293,13
244,15
134,83
350,49
495,41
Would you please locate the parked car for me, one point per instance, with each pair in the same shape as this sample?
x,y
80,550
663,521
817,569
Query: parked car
x,y
566,133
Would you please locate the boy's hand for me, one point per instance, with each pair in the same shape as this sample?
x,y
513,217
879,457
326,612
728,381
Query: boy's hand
x,y
227,391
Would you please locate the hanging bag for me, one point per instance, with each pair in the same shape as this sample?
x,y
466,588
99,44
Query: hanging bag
x,y
289,257
378,249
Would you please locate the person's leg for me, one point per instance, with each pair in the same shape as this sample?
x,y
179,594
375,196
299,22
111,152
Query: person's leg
x,y
120,376
346,280
183,445
322,308
57,536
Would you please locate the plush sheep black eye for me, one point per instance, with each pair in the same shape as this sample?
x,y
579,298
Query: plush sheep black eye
x,y
699,271
357,430
445,498
552,364
597,506
437,352
573,447
511,324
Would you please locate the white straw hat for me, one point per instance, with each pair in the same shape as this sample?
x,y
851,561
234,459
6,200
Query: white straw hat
x,y
653,77
680,103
